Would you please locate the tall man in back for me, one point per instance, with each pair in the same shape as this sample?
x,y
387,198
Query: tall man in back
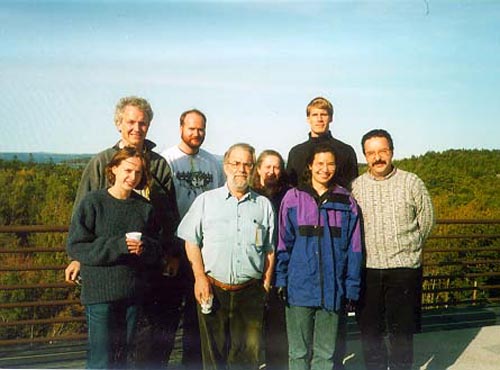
x,y
319,116
133,116
194,171
320,113
398,217
229,243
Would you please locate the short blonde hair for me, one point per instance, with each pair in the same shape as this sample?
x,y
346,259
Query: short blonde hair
x,y
320,103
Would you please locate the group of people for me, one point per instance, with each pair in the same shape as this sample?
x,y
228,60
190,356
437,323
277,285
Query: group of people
x,y
260,263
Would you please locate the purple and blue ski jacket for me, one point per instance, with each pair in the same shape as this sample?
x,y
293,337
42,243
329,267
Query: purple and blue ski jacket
x,y
319,253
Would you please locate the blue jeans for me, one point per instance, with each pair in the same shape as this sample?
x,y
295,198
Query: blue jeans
x,y
111,329
312,334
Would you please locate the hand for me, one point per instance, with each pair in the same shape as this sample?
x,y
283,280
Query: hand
x,y
202,288
282,293
171,267
350,305
267,287
135,246
71,272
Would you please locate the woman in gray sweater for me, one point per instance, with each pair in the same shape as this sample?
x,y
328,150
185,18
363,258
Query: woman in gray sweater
x,y
111,263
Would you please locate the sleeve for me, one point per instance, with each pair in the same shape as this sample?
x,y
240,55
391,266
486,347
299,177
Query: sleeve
x,y
291,168
425,209
286,239
88,248
191,228
153,251
92,179
351,168
354,254
270,241
164,202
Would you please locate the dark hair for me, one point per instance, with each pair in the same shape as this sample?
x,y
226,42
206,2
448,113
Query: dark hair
x,y
123,154
255,182
377,133
196,111
307,174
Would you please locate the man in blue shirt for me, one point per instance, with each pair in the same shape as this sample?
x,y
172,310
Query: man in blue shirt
x,y
229,243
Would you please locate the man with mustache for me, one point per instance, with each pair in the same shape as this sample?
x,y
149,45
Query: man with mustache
x,y
194,171
229,243
398,217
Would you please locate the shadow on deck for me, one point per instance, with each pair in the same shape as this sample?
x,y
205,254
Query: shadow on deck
x,y
454,338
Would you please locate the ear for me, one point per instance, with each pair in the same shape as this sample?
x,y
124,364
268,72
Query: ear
x,y
114,170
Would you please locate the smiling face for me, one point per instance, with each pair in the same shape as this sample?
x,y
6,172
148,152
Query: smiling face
x,y
322,170
192,133
319,120
128,175
133,126
378,156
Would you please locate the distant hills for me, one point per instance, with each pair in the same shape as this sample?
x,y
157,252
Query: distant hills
x,y
43,157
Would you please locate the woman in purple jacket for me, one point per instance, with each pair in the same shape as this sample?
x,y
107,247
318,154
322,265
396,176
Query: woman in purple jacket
x,y
319,261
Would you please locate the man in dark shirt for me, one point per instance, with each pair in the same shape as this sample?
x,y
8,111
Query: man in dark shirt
x,y
319,116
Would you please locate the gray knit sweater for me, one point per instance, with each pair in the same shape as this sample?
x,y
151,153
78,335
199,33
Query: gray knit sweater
x,y
398,217
97,239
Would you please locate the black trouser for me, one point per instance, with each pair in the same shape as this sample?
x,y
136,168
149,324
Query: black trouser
x,y
158,321
231,335
387,311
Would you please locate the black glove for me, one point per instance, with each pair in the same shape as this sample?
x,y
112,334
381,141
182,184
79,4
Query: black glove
x,y
282,293
350,305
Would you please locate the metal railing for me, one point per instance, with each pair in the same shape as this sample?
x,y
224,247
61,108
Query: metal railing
x,y
461,268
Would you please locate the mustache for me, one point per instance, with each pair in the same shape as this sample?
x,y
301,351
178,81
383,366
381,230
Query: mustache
x,y
379,162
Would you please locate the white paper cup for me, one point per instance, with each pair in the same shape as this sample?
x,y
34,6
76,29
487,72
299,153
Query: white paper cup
x,y
134,235
206,306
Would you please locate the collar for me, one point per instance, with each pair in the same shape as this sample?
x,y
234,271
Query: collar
x,y
386,177
322,138
147,147
250,194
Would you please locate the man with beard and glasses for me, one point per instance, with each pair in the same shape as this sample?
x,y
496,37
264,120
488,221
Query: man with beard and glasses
x,y
194,171
229,243
269,179
398,217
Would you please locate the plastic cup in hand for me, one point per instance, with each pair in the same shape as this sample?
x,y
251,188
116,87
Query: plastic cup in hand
x,y
134,235
206,305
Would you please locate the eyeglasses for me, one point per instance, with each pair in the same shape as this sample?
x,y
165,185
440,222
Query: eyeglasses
x,y
380,153
235,165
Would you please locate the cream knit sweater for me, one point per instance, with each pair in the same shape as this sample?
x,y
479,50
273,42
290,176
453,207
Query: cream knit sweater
x,y
398,217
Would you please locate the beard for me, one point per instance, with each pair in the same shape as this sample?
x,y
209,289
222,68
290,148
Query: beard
x,y
193,143
238,183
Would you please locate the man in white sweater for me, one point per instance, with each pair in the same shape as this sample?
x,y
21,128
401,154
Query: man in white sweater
x,y
398,217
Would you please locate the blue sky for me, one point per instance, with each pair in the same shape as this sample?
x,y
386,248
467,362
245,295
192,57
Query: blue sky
x,y
427,71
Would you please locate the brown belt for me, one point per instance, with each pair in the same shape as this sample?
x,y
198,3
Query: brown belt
x,y
232,287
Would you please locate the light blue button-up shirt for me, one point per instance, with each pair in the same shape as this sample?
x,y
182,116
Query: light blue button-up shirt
x,y
234,235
